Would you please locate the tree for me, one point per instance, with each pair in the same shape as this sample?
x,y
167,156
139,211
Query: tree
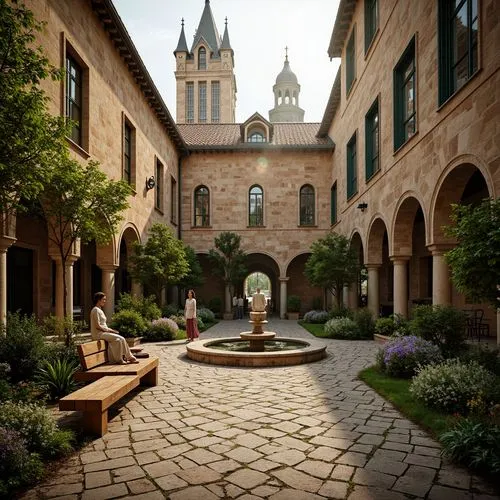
x,y
31,139
228,260
475,261
160,262
194,277
333,264
81,203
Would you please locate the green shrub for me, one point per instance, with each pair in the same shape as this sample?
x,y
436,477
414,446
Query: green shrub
x,y
18,466
37,427
22,347
316,317
56,377
201,324
161,329
488,357
340,312
215,305
180,320
169,310
402,356
129,323
63,328
364,319
145,306
473,443
27,392
385,326
442,325
206,315
293,303
55,350
342,328
452,385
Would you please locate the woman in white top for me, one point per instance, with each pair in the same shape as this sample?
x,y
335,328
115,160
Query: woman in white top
x,y
190,316
118,349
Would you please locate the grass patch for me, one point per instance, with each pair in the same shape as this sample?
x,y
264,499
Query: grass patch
x,y
397,391
316,329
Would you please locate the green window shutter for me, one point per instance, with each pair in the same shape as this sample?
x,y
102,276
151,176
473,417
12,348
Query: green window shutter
x,y
352,181
350,74
333,204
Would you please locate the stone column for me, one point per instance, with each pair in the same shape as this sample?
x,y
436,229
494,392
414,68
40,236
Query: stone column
x,y
345,296
353,296
228,314
441,284
373,289
5,243
283,297
59,288
69,286
108,287
136,290
400,285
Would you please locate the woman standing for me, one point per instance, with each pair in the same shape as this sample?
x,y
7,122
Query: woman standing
x,y
190,316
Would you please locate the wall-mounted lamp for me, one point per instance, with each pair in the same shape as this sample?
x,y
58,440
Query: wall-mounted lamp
x,y
363,206
150,183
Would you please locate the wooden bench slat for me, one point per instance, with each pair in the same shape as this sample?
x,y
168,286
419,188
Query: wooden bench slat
x,y
136,369
89,348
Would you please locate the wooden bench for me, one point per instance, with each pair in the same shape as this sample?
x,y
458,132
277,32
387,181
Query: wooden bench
x,y
109,383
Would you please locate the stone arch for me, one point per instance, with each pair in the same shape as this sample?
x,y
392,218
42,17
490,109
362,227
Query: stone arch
x,y
402,224
297,283
375,240
466,176
123,281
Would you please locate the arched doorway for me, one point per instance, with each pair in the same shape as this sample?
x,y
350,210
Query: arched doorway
x,y
357,291
263,266
261,281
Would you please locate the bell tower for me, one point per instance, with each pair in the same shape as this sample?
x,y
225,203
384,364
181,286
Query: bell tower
x,y
286,96
206,84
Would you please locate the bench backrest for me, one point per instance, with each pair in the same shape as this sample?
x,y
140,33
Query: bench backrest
x,y
93,354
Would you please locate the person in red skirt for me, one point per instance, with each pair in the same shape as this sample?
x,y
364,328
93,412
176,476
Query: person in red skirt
x,y
190,316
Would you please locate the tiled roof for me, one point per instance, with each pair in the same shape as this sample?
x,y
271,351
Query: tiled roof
x,y
228,136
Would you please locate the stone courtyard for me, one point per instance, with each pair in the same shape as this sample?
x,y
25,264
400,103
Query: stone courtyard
x,y
289,433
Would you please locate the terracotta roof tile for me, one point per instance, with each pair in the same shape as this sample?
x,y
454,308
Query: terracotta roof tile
x,y
229,135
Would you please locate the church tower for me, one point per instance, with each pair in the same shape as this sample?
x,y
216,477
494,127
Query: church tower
x,y
206,84
286,96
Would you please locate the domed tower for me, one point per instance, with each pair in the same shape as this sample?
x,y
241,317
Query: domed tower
x,y
286,96
206,84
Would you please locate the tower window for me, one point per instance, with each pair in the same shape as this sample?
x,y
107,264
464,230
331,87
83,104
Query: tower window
x,y
190,102
202,58
215,102
202,102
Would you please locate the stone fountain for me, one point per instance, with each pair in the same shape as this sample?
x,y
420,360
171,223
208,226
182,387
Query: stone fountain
x,y
257,336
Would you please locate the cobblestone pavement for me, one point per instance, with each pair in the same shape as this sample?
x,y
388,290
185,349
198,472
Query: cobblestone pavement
x,y
290,433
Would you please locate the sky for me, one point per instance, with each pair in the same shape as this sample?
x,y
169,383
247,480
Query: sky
x,y
259,31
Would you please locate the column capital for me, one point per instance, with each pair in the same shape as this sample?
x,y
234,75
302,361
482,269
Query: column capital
x,y
440,248
283,280
373,266
109,267
399,259
6,242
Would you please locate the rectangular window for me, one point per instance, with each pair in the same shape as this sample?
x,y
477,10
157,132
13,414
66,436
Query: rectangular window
x,y
173,200
405,110
202,102
371,21
215,102
74,98
350,56
159,185
128,152
458,50
372,141
189,102
333,204
352,176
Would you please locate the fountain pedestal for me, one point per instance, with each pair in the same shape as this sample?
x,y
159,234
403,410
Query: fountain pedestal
x,y
257,336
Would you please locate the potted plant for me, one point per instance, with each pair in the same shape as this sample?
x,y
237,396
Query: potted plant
x,y
293,307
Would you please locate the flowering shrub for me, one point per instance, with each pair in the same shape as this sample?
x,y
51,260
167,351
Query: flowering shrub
x,y
206,315
36,426
473,443
319,317
402,356
340,312
450,385
180,320
342,328
17,465
161,329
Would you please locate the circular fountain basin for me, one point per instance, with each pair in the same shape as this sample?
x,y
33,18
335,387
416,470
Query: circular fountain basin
x,y
293,352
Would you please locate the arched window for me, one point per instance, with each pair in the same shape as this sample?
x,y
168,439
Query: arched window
x,y
202,58
287,97
255,206
307,204
256,137
201,206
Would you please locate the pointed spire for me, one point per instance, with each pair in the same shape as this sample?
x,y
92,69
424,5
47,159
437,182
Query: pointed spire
x,y
286,53
207,30
182,45
226,44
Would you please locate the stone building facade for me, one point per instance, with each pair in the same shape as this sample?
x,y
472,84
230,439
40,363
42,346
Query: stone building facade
x,y
414,113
